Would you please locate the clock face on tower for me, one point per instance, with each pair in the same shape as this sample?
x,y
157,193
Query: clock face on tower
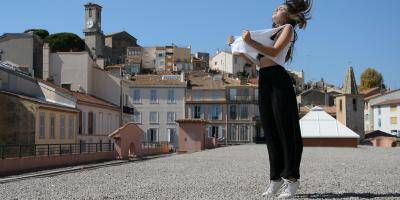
x,y
89,23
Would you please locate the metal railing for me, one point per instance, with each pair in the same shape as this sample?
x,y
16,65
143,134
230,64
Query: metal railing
x,y
153,145
15,151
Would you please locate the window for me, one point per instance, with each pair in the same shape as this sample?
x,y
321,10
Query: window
x,y
52,126
393,108
80,122
232,111
244,133
90,12
379,110
136,96
109,123
84,123
213,131
215,112
42,125
197,112
232,133
340,105
152,135
62,127
171,117
153,117
393,120
126,99
101,123
215,95
171,134
379,123
197,95
137,117
71,127
171,96
244,113
66,86
94,123
256,94
232,94
355,104
153,96
90,123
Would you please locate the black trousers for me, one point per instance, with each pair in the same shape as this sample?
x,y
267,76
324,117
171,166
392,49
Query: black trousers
x,y
280,122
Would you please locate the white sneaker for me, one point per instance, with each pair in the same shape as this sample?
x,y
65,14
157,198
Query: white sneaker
x,y
290,188
273,187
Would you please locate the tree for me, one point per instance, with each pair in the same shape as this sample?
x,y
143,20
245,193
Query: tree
x,y
42,33
371,78
65,42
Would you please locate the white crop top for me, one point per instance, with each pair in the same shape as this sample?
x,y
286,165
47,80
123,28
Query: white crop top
x,y
263,37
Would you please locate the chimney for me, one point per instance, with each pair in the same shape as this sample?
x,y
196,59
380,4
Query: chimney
x,y
46,61
326,98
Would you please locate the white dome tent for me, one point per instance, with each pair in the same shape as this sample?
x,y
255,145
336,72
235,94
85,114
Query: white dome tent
x,y
318,128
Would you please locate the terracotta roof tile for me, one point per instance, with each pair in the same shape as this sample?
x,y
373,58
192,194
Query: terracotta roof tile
x,y
388,102
86,98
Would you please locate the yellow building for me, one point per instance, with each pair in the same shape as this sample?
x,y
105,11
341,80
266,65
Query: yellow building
x,y
27,120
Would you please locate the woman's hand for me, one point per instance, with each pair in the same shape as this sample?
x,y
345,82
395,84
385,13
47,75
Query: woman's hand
x,y
246,36
230,40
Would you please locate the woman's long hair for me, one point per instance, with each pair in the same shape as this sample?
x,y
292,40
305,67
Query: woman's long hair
x,y
299,13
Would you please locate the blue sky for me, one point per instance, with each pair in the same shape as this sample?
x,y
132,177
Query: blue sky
x,y
361,33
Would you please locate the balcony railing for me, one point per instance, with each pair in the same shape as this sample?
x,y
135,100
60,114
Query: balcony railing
x,y
249,99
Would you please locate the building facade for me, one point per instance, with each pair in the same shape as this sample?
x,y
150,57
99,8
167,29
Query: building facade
x,y
97,119
116,45
23,49
158,101
232,64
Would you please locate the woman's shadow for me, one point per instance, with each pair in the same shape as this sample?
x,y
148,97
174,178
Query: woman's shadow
x,y
366,195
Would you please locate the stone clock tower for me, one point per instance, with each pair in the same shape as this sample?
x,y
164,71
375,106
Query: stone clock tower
x,y
94,37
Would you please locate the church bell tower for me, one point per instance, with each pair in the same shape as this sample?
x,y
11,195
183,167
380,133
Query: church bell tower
x,y
94,38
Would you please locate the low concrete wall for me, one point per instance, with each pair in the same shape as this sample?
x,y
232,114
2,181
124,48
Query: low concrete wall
x,y
155,151
330,142
26,164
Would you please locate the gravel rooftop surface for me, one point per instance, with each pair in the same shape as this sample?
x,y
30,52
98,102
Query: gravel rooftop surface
x,y
234,172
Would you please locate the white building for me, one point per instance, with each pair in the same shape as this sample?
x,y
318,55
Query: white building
x,y
387,116
70,70
228,63
158,101
97,119
370,118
